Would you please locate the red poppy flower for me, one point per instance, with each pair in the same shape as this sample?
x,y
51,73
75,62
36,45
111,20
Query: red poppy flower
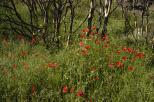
x,y
14,66
93,27
118,52
65,89
82,35
105,37
105,45
124,58
140,55
111,65
81,44
85,30
130,50
80,93
96,78
96,33
119,64
33,89
52,65
24,53
97,42
87,47
91,33
84,52
124,49
72,89
130,68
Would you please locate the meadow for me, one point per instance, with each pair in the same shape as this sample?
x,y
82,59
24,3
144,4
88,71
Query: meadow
x,y
112,68
91,70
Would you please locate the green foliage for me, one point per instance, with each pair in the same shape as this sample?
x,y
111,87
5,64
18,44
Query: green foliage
x,y
91,69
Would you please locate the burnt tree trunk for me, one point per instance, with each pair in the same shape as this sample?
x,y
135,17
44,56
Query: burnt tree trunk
x,y
100,16
91,15
72,9
107,8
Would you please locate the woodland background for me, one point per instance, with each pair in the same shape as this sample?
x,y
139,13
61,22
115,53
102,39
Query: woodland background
x,y
77,50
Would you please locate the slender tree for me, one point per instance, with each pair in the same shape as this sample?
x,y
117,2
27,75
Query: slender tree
x,y
101,10
107,9
91,15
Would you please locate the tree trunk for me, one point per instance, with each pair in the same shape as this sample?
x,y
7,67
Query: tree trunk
x,y
90,17
100,16
72,9
107,8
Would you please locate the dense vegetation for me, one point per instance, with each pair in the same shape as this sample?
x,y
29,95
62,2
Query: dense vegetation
x,y
79,55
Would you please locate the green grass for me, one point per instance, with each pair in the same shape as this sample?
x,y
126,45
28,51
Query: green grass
x,y
31,73
105,72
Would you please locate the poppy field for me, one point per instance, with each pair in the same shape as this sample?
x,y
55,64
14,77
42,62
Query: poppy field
x,y
76,50
93,69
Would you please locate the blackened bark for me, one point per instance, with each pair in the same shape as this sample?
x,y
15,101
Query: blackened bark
x,y
104,31
91,15
100,16
72,9
89,25
107,8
